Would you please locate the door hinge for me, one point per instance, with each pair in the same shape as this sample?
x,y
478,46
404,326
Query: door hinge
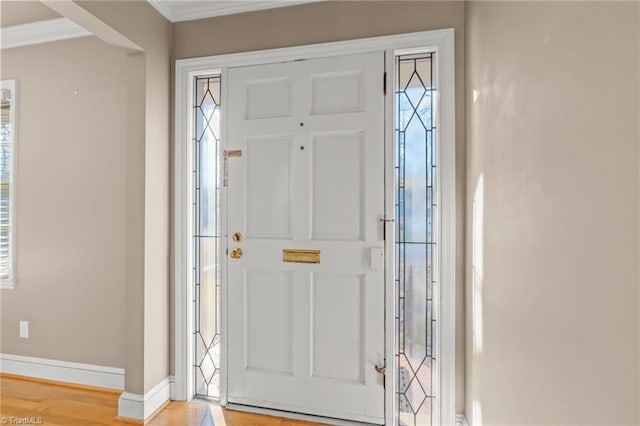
x,y
382,369
384,221
384,83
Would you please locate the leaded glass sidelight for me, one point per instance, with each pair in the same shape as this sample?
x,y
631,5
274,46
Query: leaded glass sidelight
x,y
8,98
416,239
206,236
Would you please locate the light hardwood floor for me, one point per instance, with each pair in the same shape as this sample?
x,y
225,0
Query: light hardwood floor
x,y
70,406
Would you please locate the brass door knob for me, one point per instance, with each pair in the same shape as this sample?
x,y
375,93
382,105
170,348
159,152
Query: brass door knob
x,y
236,253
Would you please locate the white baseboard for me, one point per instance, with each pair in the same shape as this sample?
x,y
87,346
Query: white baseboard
x,y
63,371
140,407
461,420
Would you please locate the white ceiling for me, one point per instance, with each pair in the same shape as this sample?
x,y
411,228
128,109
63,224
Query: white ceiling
x,y
186,10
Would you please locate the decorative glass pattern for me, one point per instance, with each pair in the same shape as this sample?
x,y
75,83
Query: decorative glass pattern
x,y
206,238
416,239
5,184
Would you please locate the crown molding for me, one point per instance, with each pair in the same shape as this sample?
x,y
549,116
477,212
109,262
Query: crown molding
x,y
187,11
162,7
40,32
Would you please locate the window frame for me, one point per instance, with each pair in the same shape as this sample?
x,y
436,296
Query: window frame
x,y
12,85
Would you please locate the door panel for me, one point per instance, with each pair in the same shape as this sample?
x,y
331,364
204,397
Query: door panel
x,y
268,187
306,337
266,350
268,98
348,84
337,181
338,323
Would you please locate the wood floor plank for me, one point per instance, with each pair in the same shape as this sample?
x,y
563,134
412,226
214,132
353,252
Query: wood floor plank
x,y
69,406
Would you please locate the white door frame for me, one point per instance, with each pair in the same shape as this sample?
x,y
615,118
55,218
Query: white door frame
x,y
440,41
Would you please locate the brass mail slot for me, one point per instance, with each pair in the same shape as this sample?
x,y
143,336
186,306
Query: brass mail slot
x,y
301,256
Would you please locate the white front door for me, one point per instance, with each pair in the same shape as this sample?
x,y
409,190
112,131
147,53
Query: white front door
x,y
306,172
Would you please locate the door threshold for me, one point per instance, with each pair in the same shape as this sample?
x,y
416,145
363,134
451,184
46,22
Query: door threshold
x,y
295,416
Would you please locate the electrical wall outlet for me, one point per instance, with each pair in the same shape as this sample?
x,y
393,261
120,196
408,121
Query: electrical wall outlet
x,y
24,329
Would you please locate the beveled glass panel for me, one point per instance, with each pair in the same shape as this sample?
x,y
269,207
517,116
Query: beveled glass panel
x,y
415,200
423,69
206,234
209,183
415,91
8,108
415,239
209,266
424,111
415,299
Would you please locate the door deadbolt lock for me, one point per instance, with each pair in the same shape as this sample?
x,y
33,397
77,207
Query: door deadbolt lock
x,y
236,253
237,237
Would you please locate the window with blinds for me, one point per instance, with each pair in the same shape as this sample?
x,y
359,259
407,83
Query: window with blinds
x,y
7,187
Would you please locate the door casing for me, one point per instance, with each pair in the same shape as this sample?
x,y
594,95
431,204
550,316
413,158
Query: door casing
x,y
440,41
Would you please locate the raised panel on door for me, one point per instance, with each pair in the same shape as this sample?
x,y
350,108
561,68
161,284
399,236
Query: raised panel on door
x,y
268,98
268,341
337,164
268,174
338,327
325,88
310,177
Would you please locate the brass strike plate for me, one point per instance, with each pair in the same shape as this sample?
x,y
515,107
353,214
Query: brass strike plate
x,y
301,256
